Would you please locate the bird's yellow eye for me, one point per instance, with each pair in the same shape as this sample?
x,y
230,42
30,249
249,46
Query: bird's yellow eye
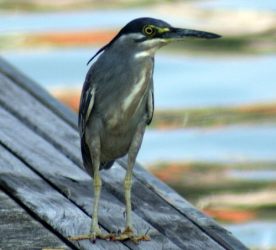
x,y
149,30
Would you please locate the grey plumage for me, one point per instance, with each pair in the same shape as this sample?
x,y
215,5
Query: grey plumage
x,y
112,83
117,103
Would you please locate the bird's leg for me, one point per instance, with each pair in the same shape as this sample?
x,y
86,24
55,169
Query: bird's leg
x,y
133,151
128,233
97,183
95,231
127,186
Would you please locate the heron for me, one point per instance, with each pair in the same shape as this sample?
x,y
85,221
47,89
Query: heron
x,y
117,103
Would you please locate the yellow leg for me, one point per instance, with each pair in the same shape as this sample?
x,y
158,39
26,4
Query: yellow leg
x,y
94,228
95,231
128,233
127,186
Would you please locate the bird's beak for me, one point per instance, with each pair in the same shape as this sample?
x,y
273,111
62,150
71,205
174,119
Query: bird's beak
x,y
174,34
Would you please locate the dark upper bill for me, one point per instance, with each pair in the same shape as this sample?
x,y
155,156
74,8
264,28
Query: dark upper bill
x,y
178,33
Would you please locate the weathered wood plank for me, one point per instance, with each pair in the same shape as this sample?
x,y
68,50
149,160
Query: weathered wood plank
x,y
10,90
19,231
37,116
37,91
207,224
165,218
63,216
70,180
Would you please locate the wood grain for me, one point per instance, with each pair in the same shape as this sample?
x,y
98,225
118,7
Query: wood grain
x,y
207,224
19,231
50,206
38,92
165,218
38,117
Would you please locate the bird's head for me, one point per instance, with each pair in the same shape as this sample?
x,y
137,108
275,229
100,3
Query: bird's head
x,y
149,34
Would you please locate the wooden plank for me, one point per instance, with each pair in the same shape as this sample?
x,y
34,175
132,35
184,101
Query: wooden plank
x,y
19,231
58,170
37,116
174,234
50,206
37,91
165,218
207,224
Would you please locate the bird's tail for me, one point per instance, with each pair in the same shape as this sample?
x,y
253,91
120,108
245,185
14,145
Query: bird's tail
x,y
86,158
106,165
87,161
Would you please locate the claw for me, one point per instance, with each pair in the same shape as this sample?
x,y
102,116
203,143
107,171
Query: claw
x,y
92,236
128,231
128,234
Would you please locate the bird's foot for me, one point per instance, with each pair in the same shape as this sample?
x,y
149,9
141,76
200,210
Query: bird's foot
x,y
96,234
128,234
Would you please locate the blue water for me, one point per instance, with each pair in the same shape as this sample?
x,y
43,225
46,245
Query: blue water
x,y
253,175
257,235
267,5
20,22
180,81
231,144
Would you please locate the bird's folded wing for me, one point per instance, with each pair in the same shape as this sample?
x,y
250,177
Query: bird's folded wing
x,y
86,106
150,104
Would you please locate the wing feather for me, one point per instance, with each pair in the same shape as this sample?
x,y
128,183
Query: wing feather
x,y
86,106
150,104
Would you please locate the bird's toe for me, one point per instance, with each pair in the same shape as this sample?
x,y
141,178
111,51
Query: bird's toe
x,y
128,234
97,234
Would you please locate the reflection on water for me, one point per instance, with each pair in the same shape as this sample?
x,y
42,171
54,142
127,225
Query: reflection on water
x,y
179,81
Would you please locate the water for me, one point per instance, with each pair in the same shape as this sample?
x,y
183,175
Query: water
x,y
18,22
68,21
253,175
257,234
180,81
267,5
231,144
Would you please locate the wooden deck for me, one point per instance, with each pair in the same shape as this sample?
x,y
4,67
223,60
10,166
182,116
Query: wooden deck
x,y
46,196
